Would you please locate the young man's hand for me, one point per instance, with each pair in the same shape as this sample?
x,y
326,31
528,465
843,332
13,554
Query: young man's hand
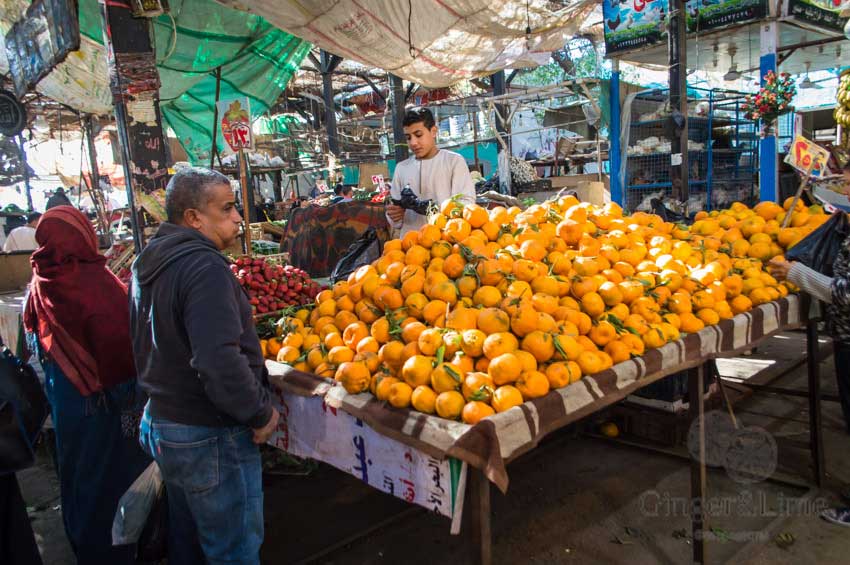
x,y
779,268
396,213
261,435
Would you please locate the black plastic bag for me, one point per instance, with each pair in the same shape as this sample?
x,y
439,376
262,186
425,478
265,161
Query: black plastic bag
x,y
667,214
23,410
409,201
819,249
365,250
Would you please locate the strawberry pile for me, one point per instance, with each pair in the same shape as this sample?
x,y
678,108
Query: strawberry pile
x,y
272,287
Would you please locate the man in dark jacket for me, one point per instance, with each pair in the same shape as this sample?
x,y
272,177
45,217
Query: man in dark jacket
x,y
199,360
58,199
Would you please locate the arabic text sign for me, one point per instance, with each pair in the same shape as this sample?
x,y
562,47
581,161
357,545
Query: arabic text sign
x,y
310,428
235,121
807,156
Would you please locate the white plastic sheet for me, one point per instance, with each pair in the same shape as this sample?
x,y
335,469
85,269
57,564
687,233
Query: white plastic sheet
x,y
434,43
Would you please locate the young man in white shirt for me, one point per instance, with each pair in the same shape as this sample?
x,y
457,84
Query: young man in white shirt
x,y
432,173
23,238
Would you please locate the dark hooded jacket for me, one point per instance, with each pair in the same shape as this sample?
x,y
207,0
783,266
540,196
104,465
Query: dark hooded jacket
x,y
195,345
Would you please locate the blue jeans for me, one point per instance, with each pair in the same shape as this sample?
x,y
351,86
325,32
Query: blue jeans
x,y
214,483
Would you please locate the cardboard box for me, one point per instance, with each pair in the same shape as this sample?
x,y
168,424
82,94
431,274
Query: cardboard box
x,y
367,170
15,270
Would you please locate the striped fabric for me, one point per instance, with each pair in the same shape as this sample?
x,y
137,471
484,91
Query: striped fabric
x,y
495,441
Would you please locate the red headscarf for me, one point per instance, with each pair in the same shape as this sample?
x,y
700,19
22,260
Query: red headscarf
x,y
77,306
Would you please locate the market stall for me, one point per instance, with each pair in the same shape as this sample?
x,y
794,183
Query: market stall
x,y
424,459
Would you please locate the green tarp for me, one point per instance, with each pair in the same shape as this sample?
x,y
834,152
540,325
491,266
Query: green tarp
x,y
257,60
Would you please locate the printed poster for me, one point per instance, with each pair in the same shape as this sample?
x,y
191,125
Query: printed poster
x,y
310,428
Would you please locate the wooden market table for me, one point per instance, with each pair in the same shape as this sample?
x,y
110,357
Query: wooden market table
x,y
486,448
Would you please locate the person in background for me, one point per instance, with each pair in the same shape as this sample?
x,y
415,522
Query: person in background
x,y
58,199
23,238
835,292
432,173
200,361
343,194
78,324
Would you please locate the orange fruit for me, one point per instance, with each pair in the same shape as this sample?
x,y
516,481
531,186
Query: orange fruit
x,y
505,368
416,371
478,386
487,296
500,343
354,376
592,304
450,404
590,362
506,397
532,384
475,411
472,342
400,394
340,354
540,345
708,316
446,377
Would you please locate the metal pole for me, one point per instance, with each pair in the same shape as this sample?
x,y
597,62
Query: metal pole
x,y
243,182
678,63
475,139
696,407
121,123
499,87
329,63
95,172
26,172
214,144
481,536
399,141
815,420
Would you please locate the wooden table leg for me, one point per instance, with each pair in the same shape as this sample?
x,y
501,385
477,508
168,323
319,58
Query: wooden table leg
x,y
696,405
815,420
479,508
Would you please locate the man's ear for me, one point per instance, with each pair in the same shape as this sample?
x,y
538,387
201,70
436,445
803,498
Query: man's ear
x,y
192,219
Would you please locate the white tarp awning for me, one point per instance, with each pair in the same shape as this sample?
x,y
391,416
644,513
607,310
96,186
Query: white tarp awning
x,y
434,43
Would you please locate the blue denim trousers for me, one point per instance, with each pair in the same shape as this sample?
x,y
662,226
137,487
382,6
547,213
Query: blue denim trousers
x,y
214,483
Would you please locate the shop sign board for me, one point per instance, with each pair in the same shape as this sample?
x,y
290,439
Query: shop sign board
x,y
807,157
705,15
632,24
821,14
235,122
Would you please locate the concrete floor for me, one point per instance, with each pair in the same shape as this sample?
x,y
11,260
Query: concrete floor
x,y
576,500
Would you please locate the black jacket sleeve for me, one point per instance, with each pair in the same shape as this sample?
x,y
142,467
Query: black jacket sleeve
x,y
214,325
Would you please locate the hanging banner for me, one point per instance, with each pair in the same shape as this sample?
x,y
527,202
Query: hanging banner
x,y
705,15
632,24
823,15
39,41
235,122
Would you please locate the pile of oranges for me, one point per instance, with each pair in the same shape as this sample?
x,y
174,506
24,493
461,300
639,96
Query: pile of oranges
x,y
480,310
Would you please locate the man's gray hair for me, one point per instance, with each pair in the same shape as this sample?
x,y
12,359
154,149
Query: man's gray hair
x,y
188,188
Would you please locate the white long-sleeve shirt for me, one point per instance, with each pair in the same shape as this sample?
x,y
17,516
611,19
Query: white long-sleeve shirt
x,y
438,178
21,239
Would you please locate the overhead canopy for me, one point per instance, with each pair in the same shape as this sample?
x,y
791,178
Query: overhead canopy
x,y
257,60
431,42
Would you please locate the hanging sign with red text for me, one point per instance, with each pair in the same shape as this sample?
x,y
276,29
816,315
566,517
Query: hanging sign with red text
x,y
235,121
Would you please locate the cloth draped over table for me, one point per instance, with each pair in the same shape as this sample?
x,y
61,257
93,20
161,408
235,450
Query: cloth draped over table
x,y
497,440
318,236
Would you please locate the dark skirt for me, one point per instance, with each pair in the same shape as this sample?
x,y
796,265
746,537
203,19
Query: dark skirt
x,y
17,542
99,457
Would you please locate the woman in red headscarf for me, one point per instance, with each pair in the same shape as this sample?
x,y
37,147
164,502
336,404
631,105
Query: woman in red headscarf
x,y
77,315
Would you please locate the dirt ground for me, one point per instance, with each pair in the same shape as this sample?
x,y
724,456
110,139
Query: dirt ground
x,y
576,499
